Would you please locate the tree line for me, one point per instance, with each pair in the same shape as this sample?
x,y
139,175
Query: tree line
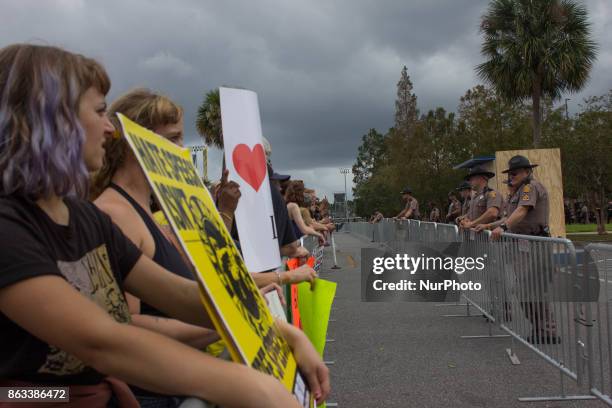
x,y
534,53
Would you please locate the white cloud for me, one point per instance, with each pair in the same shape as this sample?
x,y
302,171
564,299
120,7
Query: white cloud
x,y
164,62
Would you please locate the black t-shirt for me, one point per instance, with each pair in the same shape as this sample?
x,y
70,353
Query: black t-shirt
x,y
90,253
284,229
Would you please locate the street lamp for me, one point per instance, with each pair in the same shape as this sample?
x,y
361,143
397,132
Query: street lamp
x,y
345,171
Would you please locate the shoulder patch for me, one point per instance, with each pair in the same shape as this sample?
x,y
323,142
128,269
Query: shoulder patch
x,y
525,197
492,194
527,188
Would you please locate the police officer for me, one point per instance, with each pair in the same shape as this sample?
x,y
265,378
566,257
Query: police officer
x,y
528,211
504,210
528,208
486,204
454,207
465,193
411,210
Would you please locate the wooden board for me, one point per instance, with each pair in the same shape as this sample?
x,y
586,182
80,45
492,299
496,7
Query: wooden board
x,y
548,173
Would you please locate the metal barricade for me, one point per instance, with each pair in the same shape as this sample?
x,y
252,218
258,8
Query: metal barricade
x,y
597,278
533,290
484,298
400,236
428,231
414,231
447,233
541,290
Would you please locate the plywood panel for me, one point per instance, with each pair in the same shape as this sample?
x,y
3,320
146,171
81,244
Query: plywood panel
x,y
548,173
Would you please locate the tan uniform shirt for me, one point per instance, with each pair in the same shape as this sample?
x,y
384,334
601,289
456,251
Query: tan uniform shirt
x,y
413,204
483,201
534,196
465,207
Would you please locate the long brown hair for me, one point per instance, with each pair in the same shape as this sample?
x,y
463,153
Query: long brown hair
x,y
295,193
143,106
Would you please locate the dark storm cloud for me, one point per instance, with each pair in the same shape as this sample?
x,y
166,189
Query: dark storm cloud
x,y
325,71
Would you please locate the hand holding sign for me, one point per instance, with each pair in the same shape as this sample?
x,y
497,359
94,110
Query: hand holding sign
x,y
228,194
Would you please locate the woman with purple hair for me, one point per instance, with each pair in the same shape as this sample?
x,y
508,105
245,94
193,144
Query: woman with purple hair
x,y
64,265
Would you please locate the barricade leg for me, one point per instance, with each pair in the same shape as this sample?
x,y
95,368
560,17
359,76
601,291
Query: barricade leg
x,y
333,242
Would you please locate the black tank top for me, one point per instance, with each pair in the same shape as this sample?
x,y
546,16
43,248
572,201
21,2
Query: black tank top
x,y
165,255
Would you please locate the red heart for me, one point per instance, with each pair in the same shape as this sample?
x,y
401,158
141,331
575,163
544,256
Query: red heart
x,y
250,164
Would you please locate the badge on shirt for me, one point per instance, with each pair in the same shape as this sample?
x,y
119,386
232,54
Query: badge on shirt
x,y
527,188
525,197
492,194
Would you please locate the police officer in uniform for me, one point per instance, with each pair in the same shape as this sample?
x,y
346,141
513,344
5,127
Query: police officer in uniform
x,y
454,207
465,193
486,204
528,211
504,210
411,210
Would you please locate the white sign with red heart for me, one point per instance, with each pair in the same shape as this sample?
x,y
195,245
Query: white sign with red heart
x,y
246,161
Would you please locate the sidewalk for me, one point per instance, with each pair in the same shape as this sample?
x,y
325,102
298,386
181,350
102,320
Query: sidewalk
x,y
408,355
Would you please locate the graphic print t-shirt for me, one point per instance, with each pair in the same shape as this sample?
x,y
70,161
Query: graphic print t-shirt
x,y
90,253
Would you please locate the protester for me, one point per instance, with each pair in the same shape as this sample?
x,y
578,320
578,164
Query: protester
x,y
125,195
294,197
64,265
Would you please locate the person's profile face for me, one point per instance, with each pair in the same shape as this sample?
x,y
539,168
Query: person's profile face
x,y
518,176
173,132
96,126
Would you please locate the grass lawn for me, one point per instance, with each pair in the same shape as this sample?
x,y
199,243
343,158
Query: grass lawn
x,y
590,238
571,228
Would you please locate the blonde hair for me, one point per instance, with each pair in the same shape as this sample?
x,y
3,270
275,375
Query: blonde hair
x,y
143,106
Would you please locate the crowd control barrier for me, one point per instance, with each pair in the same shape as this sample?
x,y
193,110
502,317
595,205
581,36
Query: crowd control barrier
x,y
540,291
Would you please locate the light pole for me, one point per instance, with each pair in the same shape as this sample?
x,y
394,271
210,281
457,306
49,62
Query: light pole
x,y
566,114
345,171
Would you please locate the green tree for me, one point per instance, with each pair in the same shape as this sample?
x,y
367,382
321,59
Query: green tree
x,y
488,123
208,120
406,112
535,49
370,155
590,166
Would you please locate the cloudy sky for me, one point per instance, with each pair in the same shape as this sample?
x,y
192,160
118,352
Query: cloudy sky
x,y
325,71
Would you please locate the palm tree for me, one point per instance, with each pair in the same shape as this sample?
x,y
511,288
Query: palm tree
x,y
536,48
208,121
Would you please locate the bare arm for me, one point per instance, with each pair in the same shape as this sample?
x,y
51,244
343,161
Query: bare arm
x,y
294,250
194,336
132,226
489,215
517,216
173,295
296,216
52,310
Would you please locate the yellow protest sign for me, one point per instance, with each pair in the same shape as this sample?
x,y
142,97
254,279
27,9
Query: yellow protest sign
x,y
228,291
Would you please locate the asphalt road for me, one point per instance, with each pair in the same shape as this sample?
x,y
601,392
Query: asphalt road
x,y
406,354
